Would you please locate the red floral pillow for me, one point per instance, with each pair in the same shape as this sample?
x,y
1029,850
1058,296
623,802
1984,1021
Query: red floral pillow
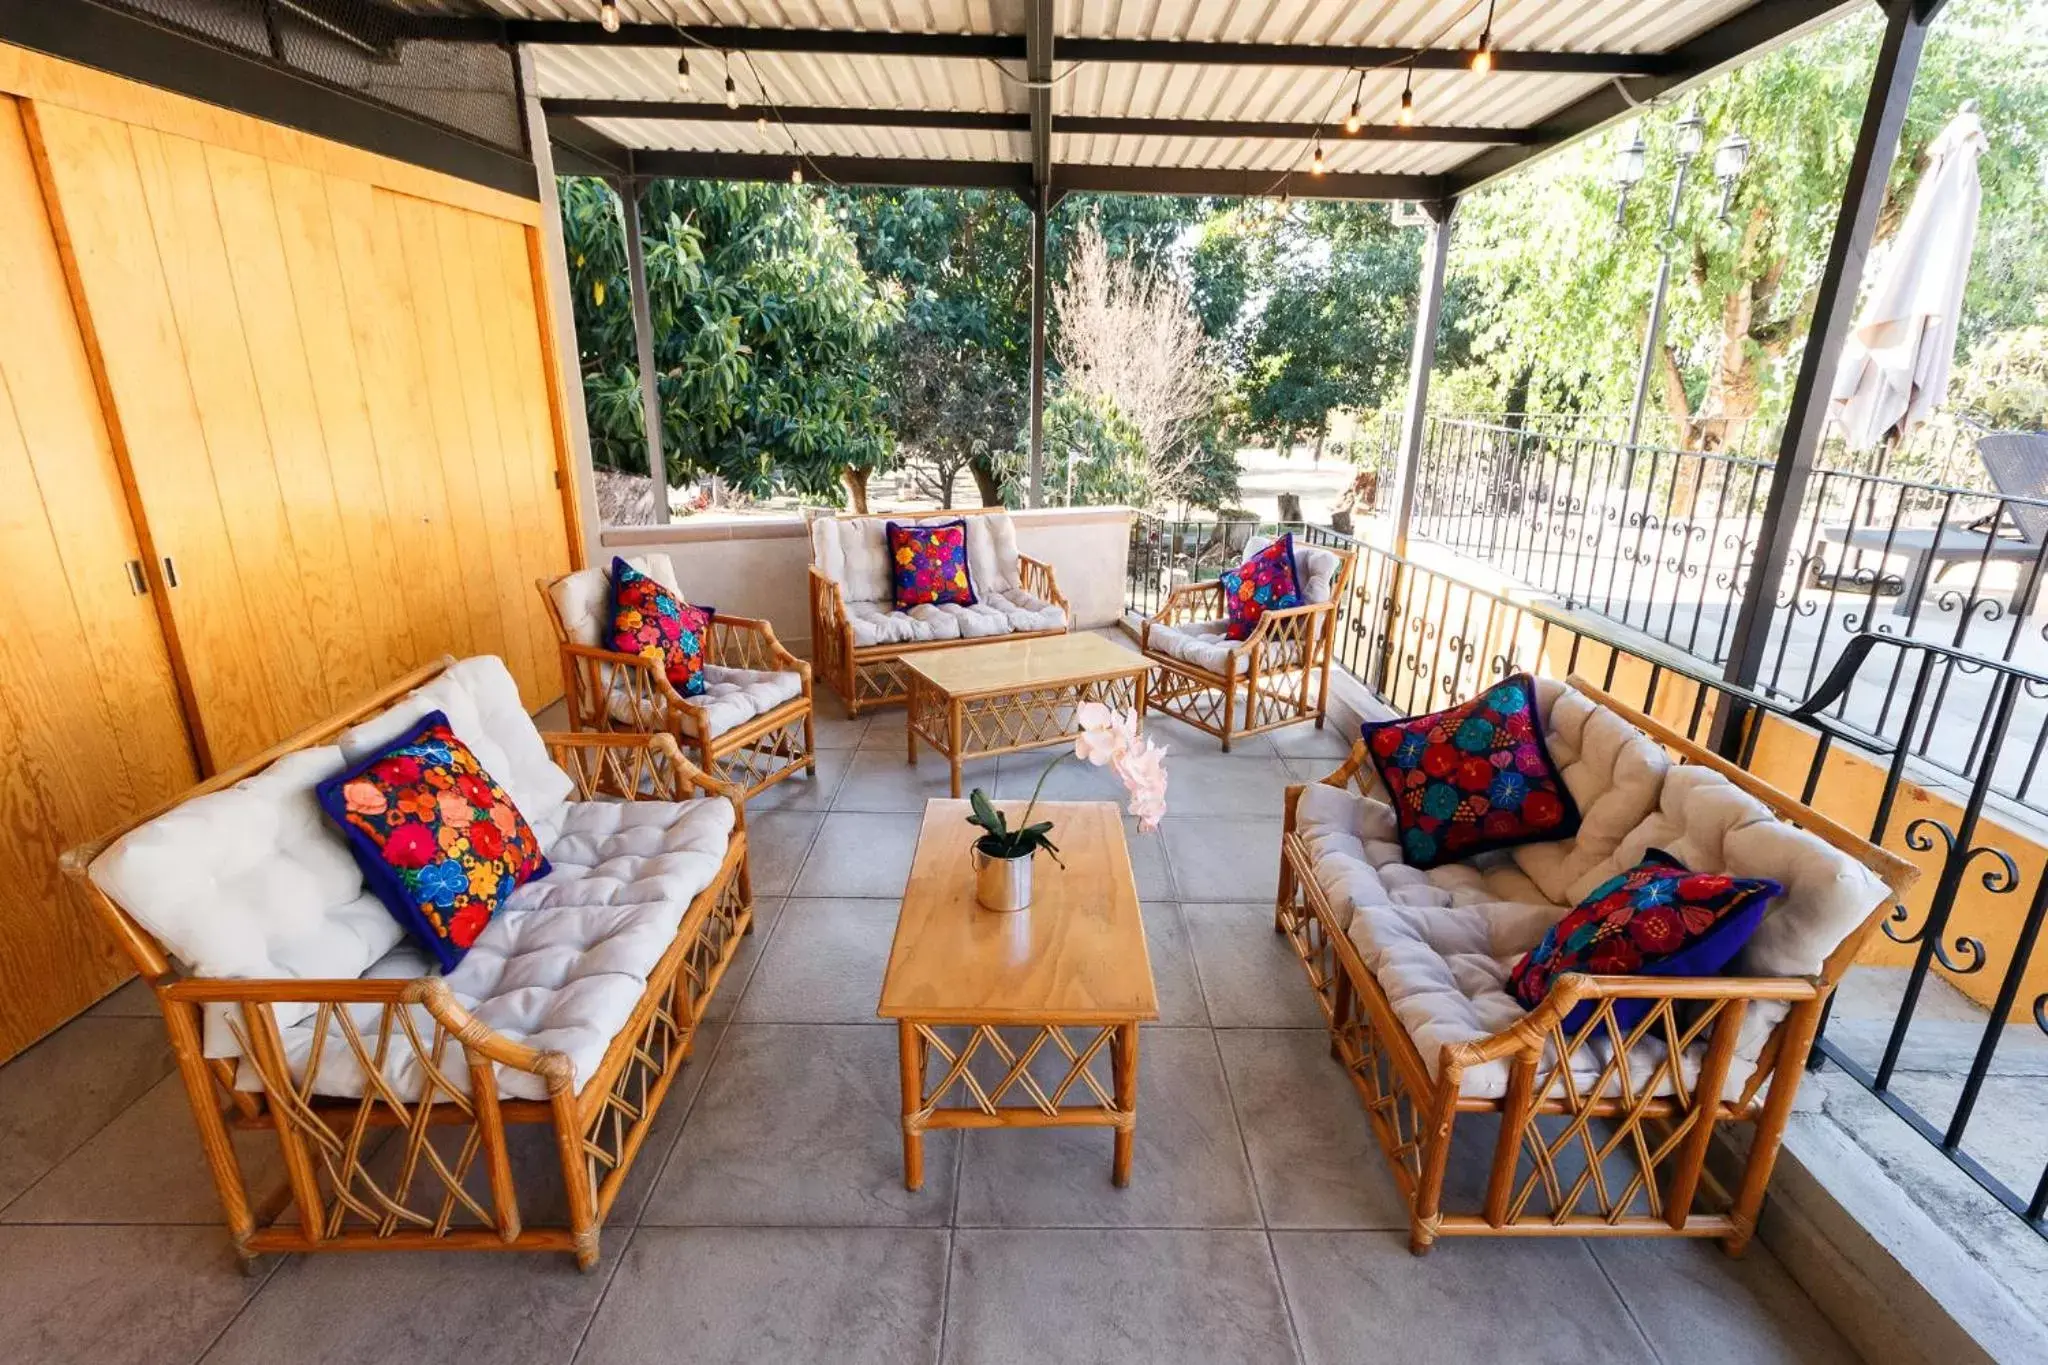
x,y
1474,778
1265,582
439,842
651,621
928,564
1656,919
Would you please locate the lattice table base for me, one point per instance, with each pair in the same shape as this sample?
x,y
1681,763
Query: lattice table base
x,y
1047,1071
963,728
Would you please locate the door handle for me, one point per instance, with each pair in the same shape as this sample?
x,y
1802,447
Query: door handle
x,y
137,582
170,571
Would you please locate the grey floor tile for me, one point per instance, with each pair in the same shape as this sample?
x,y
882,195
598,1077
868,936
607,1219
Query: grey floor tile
x,y
802,1124
777,842
134,1000
1188,1165
832,728
1323,749
881,780
1121,1298
1698,1305
500,1308
1360,1297
1073,779
1173,967
860,854
69,1086
1148,862
767,912
1234,785
147,1167
886,732
824,965
1313,1153
812,791
1250,976
1221,859
105,1296
743,1295
1184,740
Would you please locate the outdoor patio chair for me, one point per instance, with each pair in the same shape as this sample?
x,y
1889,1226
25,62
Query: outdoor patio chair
x,y
1278,675
2015,533
1410,970
859,636
751,727
297,1005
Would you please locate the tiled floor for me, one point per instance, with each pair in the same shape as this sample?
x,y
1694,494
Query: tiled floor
x,y
768,1220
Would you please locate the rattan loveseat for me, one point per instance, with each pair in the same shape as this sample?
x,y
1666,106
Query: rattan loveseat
x,y
751,727
1486,1133
297,1006
1278,675
860,639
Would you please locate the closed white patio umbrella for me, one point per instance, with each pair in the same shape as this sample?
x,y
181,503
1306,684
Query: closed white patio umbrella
x,y
1895,365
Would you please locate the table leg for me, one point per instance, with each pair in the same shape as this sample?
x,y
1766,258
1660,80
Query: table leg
x,y
911,1050
910,723
1124,1063
955,727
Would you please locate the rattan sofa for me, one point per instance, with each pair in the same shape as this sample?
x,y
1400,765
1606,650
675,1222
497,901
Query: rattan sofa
x,y
1485,1132
296,1005
860,639
1279,675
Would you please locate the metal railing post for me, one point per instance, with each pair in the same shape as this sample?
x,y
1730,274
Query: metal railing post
x,y
643,344
1877,140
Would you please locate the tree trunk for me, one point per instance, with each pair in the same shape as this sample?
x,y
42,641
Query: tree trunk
x,y
857,488
1322,437
986,482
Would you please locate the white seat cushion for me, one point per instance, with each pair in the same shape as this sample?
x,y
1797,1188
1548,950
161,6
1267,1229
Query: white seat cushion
x,y
1203,644
854,553
1003,612
563,964
731,697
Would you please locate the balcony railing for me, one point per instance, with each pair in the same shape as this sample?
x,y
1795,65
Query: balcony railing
x,y
1420,638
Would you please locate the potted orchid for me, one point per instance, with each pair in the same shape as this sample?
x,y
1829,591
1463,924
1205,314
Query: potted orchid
x,y
1003,855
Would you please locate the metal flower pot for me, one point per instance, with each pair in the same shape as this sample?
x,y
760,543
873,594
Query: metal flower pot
x,y
1002,884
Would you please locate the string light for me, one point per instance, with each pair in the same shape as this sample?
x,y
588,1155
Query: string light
x,y
761,123
1352,120
1315,163
1482,60
683,70
732,92
608,16
1407,115
796,173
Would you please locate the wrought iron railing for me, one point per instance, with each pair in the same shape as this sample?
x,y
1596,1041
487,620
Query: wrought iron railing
x,y
1420,639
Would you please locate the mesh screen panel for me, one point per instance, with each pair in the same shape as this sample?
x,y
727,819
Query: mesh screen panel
x,y
359,45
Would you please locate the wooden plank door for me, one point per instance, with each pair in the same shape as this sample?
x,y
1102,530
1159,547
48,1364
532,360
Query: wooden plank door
x,y
90,723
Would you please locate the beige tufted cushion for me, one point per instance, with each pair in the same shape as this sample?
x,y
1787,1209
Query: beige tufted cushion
x,y
1314,565
731,697
1203,644
584,598
854,553
1613,771
1002,612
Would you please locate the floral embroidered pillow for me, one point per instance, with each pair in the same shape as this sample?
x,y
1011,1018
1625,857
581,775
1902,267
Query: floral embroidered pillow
x,y
928,564
1474,778
439,842
1656,919
651,621
1265,582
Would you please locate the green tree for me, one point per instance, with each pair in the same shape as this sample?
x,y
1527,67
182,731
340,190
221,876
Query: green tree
x,y
766,330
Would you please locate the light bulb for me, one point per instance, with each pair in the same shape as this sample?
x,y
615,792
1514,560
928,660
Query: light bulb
x,y
683,70
1315,163
796,174
761,124
608,15
732,92
1407,115
1482,60
1352,120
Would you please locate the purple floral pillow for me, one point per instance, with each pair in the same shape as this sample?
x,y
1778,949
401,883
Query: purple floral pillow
x,y
1474,778
929,564
649,620
1656,919
1265,582
439,841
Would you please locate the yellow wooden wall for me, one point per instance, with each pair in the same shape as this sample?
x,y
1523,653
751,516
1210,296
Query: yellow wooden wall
x,y
307,390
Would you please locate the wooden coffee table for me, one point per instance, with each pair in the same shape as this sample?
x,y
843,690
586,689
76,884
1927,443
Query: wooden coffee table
x,y
1058,984
998,698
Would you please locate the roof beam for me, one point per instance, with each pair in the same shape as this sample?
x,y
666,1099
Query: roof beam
x,y
1219,183
1014,47
1765,24
1002,121
1038,95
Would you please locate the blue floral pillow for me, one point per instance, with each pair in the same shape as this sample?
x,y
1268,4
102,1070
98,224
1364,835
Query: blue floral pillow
x,y
928,564
439,842
651,621
1265,582
1656,919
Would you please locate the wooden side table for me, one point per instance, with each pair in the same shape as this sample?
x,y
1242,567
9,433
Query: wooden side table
x,y
989,995
1011,695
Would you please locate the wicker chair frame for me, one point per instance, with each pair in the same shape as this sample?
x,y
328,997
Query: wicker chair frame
x,y
867,677
436,1171
750,757
1286,674
1554,1159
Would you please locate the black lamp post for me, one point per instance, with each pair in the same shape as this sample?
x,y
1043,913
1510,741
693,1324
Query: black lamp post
x,y
1692,136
